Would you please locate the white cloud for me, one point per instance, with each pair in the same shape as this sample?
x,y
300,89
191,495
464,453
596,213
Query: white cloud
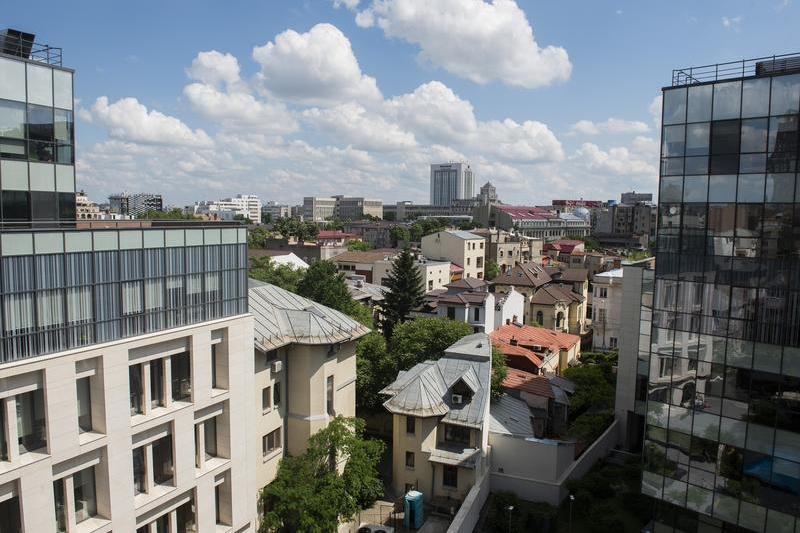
x,y
528,142
215,69
317,68
473,39
655,110
639,159
435,113
611,125
353,124
128,120
349,4
732,23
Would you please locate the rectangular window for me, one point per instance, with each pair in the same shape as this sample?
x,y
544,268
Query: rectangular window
x,y
58,499
271,442
139,471
451,313
84,493
411,425
31,421
409,459
456,434
213,366
210,437
276,394
266,398
163,470
476,314
612,341
84,405
156,383
450,476
329,394
181,378
136,389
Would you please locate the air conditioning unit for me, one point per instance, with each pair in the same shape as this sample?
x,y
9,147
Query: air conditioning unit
x,y
457,398
276,366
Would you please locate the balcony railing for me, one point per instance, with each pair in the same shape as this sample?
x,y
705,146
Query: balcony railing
x,y
736,69
22,45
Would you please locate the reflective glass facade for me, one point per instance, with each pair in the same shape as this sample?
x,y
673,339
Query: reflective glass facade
x,y
62,290
722,440
37,139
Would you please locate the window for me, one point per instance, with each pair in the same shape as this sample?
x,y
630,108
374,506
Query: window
x,y
10,519
271,442
539,317
468,261
602,292
410,460
84,405
456,434
163,469
411,424
430,285
451,313
58,499
156,383
601,315
84,494
31,421
213,366
266,398
181,378
476,314
329,395
136,389
450,476
612,342
210,437
276,394
139,471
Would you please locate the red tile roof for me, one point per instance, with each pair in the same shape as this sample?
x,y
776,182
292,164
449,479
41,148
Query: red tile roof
x,y
526,212
456,268
535,384
535,336
562,245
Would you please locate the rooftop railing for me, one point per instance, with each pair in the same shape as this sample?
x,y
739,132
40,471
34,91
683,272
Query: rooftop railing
x,y
19,44
6,226
736,69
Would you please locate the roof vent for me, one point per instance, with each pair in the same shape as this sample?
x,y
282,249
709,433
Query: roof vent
x,y
774,66
16,43
513,341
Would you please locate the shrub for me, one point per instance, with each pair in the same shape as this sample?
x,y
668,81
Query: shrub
x,y
603,519
499,514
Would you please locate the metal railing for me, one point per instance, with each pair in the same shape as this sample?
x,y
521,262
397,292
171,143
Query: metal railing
x,y
736,69
27,49
55,225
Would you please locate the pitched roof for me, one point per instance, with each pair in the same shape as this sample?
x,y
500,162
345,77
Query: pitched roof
x,y
424,390
535,384
568,274
282,317
510,416
361,257
462,298
467,283
554,293
534,336
525,275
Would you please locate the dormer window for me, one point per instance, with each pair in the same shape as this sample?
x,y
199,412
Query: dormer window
x,y
460,391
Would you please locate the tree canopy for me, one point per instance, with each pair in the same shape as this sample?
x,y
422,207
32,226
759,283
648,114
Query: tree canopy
x,y
491,271
257,237
359,246
284,276
291,227
324,284
312,493
173,214
405,291
399,235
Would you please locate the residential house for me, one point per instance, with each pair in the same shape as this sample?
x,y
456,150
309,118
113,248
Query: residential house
x,y
607,310
469,300
561,249
463,248
508,250
361,263
435,274
305,372
548,402
440,412
536,350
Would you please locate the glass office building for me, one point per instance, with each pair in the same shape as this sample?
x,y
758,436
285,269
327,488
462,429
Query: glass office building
x,y
722,438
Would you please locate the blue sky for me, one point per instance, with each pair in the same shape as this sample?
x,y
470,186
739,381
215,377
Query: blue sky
x,y
282,98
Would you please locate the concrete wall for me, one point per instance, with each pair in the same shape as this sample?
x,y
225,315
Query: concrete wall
x,y
109,446
470,511
514,306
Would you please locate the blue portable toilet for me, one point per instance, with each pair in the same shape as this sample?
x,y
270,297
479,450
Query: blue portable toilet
x,y
412,507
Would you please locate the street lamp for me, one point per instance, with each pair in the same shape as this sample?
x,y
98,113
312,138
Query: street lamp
x,y
509,509
571,499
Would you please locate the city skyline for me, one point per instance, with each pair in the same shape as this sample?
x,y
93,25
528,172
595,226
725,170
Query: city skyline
x,y
346,95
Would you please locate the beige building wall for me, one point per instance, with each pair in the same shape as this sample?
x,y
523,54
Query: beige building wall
x,y
435,275
115,432
468,253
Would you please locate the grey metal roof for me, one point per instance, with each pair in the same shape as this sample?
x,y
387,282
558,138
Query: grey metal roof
x,y
361,290
510,416
463,234
282,317
425,389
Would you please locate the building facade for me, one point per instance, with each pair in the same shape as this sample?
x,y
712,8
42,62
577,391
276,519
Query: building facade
x,y
607,290
275,210
463,248
541,223
318,209
134,205
357,208
450,182
86,209
243,205
124,350
723,430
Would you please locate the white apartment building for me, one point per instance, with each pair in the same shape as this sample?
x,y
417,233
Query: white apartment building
x,y
86,209
451,181
246,205
607,309
463,248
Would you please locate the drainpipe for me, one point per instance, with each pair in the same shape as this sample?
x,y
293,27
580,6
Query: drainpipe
x,y
286,402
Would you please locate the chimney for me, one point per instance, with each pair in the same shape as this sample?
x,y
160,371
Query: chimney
x,y
508,321
513,341
514,320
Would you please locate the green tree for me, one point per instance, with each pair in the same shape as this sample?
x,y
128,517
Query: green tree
x,y
405,291
284,276
323,284
310,494
492,270
593,389
334,224
243,219
359,246
499,372
373,372
173,214
266,218
399,234
257,237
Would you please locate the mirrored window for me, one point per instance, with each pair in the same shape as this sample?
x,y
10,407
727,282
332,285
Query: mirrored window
x,y
696,165
779,187
697,136
727,99
671,189
12,79
722,188
695,188
782,134
699,104
785,95
674,106
755,98
672,144
752,163
754,135
751,188
12,119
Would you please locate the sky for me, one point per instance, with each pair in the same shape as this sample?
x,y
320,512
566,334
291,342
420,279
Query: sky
x,y
201,99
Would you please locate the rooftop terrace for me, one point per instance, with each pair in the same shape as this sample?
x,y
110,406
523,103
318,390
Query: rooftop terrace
x,y
23,45
759,66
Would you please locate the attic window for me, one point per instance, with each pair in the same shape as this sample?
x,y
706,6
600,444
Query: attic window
x,y
462,391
